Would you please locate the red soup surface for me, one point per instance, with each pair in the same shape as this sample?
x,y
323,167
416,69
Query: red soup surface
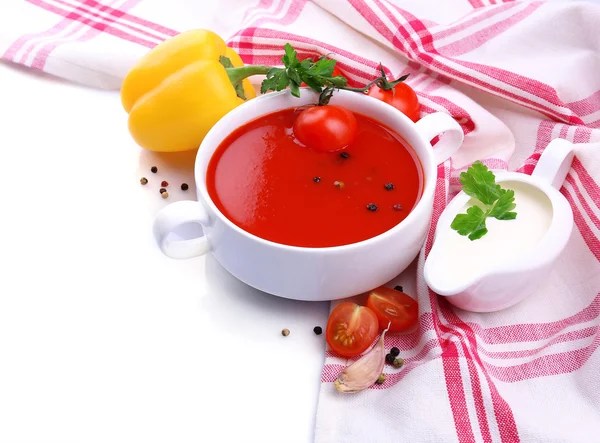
x,y
267,183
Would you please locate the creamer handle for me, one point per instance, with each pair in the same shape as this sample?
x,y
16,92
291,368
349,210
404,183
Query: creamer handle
x,y
436,124
555,162
173,216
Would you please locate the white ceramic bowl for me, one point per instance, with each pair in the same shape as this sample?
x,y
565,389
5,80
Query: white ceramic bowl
x,y
311,273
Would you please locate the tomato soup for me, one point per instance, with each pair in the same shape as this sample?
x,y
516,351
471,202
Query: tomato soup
x,y
270,185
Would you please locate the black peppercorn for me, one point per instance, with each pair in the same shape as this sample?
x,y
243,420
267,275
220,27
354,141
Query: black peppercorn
x,y
389,359
162,190
345,155
372,207
318,330
184,186
399,288
317,179
154,169
395,351
389,186
398,207
143,180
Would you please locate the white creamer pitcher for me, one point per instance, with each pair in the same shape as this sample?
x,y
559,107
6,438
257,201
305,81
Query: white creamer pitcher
x,y
515,264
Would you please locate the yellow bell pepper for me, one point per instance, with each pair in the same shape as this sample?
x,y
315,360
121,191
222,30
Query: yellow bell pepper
x,y
180,89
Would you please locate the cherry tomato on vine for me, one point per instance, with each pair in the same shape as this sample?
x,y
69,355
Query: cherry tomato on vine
x,y
401,97
326,128
395,307
351,329
337,72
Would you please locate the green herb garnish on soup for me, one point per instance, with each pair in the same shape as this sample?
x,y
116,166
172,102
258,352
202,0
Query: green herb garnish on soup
x,y
480,183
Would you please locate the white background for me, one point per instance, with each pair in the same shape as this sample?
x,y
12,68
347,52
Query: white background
x,y
103,338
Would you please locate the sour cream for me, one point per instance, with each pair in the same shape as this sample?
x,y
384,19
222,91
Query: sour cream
x,y
461,260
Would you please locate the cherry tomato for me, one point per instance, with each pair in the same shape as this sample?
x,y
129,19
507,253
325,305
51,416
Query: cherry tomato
x,y
351,329
401,97
326,128
391,305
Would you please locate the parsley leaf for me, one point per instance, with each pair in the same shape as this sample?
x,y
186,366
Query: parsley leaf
x,y
472,223
290,58
480,183
323,68
276,80
295,89
313,83
505,203
316,74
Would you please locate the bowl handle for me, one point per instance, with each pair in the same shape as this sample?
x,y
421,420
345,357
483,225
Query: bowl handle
x,y
555,162
437,123
173,216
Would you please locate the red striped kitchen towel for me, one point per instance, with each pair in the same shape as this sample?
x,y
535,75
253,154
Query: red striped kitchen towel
x,y
515,75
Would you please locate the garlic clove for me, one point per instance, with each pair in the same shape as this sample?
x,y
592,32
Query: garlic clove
x,y
365,371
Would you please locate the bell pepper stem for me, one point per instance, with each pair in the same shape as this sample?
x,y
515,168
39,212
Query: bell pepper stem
x,y
236,75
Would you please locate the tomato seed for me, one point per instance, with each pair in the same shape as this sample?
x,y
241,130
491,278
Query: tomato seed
x,y
389,186
318,330
372,207
395,351
154,169
143,180
285,332
164,183
398,207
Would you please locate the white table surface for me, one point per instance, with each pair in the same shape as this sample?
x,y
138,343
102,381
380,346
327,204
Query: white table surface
x,y
102,337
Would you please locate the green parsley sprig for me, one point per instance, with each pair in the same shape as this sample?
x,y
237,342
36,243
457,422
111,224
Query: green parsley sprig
x,y
480,183
315,74
318,75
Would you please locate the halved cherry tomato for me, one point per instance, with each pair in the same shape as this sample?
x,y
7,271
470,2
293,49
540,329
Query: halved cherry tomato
x,y
351,329
326,128
401,97
395,307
